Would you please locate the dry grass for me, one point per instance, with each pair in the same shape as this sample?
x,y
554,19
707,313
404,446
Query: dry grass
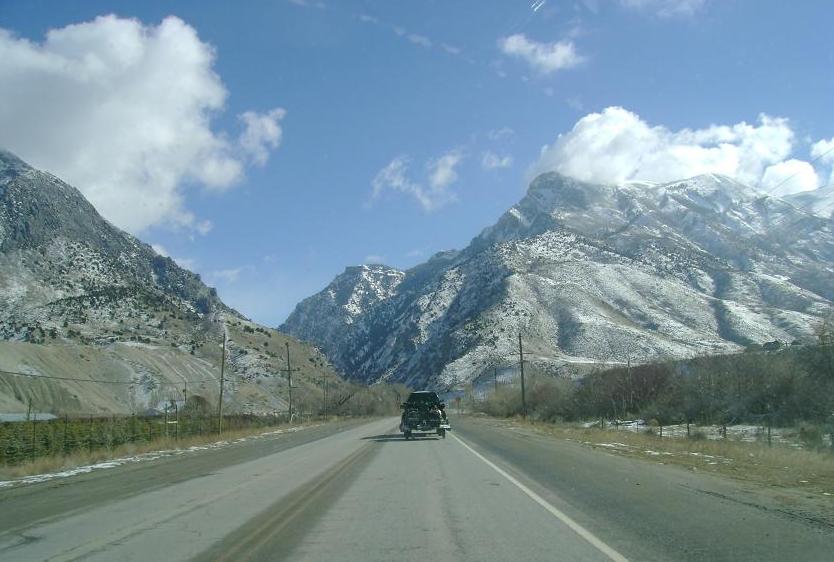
x,y
57,463
777,466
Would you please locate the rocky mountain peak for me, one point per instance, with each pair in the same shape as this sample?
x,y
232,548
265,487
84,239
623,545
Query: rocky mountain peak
x,y
59,256
81,299
36,206
362,286
591,273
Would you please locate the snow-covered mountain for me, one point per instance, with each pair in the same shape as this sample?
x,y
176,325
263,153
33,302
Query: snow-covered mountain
x,y
591,274
324,316
80,298
63,264
819,201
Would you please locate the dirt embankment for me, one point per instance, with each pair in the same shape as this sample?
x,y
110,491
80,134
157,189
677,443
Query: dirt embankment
x,y
120,378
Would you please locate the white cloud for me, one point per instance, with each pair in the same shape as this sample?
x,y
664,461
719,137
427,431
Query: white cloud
x,y
617,145
789,176
492,161
421,40
414,38
262,133
123,111
543,57
442,170
666,8
441,174
451,49
823,151
160,249
374,259
227,276
394,177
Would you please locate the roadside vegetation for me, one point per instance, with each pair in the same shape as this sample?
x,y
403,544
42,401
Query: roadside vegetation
x,y
788,387
690,412
37,446
83,457
812,470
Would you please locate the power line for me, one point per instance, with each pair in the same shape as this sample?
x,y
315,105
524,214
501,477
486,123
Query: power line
x,y
790,177
810,213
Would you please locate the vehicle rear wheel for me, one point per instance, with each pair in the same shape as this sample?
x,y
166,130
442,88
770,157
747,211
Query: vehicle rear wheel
x,y
442,433
407,435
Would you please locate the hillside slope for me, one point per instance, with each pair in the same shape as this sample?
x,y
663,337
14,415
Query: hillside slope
x,y
82,299
592,274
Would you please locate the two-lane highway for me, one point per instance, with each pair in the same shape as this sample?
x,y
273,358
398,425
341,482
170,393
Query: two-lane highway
x,y
361,492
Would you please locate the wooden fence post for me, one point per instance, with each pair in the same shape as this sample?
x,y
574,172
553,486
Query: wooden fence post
x,y
34,437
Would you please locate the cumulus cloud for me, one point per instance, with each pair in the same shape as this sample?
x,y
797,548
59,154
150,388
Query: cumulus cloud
x,y
545,58
789,176
823,151
616,145
666,8
396,176
123,111
492,161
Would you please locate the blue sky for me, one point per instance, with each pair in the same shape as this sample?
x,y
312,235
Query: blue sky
x,y
381,130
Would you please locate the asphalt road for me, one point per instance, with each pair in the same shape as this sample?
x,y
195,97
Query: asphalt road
x,y
358,491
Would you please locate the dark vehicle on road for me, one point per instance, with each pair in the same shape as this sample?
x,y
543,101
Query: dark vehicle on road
x,y
424,413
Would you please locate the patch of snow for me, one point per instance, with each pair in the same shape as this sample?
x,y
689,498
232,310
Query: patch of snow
x,y
144,457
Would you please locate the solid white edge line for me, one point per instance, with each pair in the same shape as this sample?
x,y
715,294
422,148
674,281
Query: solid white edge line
x,y
574,526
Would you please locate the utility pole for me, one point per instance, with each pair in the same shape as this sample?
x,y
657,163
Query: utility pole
x,y
289,371
185,394
495,378
222,371
521,365
325,397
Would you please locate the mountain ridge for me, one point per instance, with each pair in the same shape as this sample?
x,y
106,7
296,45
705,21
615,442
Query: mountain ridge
x,y
81,299
592,273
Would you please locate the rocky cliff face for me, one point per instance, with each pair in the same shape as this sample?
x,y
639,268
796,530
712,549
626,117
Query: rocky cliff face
x,y
326,316
594,274
66,268
80,298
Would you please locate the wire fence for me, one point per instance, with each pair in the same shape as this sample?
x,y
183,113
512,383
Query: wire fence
x,y
23,441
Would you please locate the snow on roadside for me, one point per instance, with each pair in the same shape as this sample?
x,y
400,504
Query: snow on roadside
x,y
623,447
149,456
736,432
